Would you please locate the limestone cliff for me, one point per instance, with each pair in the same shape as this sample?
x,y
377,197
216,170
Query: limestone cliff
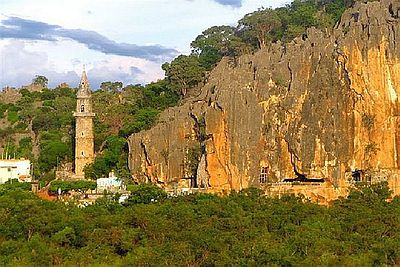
x,y
324,106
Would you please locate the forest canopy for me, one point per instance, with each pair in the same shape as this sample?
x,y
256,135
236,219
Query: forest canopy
x,y
242,228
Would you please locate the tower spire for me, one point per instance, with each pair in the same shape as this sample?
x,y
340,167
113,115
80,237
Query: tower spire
x,y
84,84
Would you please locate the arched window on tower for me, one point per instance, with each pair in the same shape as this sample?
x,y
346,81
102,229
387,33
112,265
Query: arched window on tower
x,y
82,108
264,175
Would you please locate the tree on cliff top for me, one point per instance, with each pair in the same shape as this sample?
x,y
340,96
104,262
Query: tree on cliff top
x,y
111,86
216,38
184,72
214,43
40,80
254,31
259,25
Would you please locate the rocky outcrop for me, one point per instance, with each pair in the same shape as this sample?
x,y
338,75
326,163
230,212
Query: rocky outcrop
x,y
10,95
323,106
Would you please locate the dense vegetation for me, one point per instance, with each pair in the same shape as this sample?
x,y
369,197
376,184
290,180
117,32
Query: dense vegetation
x,y
244,228
43,119
66,186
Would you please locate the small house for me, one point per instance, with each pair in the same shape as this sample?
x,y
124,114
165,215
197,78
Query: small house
x,y
110,183
19,169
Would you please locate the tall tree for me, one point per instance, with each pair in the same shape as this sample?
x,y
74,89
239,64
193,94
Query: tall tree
x,y
40,80
111,86
214,43
216,37
184,72
259,25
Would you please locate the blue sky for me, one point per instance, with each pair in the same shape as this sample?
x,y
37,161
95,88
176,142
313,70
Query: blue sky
x,y
117,40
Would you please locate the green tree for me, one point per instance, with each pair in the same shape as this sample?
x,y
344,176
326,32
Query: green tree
x,y
98,169
216,37
52,150
145,194
214,43
184,72
111,86
158,95
111,158
25,148
12,116
143,119
45,120
259,25
40,80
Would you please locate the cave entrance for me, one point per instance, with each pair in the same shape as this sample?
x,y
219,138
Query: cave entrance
x,y
356,175
361,176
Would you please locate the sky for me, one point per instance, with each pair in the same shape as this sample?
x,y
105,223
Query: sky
x,y
114,40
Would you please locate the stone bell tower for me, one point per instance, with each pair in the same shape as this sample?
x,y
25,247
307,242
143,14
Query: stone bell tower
x,y
84,141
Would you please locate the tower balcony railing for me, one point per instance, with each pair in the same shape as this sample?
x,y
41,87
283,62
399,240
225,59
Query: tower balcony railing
x,y
84,114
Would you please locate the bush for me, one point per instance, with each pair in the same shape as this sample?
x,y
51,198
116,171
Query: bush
x,y
15,184
52,150
66,186
12,116
145,194
240,229
21,126
3,108
143,119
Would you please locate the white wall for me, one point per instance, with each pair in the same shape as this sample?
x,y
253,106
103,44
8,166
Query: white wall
x,y
14,169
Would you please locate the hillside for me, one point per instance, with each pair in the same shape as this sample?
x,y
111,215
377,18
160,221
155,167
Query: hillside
x,y
322,106
38,124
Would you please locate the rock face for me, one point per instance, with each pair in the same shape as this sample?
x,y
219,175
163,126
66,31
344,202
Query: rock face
x,y
323,106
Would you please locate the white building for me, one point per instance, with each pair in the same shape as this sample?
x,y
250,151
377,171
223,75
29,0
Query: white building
x,y
15,169
111,183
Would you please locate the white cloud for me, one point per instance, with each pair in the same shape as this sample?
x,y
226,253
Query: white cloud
x,y
169,23
18,66
125,69
20,62
19,28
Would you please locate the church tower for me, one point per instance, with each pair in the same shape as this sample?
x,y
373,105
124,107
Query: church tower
x,y
84,142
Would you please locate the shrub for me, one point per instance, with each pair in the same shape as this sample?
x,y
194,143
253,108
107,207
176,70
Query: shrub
x,y
65,186
12,116
145,193
368,121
